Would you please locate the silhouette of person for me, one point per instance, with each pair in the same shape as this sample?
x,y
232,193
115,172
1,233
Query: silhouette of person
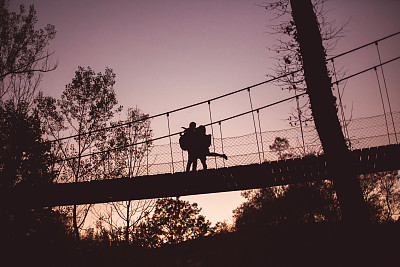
x,y
201,147
190,135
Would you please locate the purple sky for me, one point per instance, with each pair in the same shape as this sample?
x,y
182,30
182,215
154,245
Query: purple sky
x,y
168,54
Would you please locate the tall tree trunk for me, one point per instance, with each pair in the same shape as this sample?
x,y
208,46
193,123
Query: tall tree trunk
x,y
324,111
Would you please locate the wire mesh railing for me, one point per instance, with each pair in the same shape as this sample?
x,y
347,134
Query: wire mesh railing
x,y
250,148
244,150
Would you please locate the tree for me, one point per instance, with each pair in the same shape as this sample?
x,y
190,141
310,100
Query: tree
x,y
128,148
172,222
287,51
24,158
294,203
306,47
25,162
24,54
280,145
86,106
381,192
222,228
323,106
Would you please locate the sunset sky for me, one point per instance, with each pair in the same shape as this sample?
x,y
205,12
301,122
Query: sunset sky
x,y
173,53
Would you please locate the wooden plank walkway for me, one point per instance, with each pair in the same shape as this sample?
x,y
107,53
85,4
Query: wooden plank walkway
x,y
267,174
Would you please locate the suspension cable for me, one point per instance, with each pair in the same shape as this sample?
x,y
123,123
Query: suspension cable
x,y
147,160
222,142
176,110
383,104
212,132
301,124
360,47
241,114
170,144
299,114
346,132
183,160
363,71
387,94
177,133
254,123
259,127
218,97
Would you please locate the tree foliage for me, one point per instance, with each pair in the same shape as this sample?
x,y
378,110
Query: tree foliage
x,y
172,222
279,146
127,148
287,50
293,204
25,161
381,192
86,105
24,53
24,158
314,201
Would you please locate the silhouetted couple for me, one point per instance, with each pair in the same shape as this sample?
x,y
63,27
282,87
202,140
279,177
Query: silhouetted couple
x,y
197,143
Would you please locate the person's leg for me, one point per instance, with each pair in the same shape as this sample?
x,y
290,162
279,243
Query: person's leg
x,y
212,154
194,164
190,161
203,162
188,166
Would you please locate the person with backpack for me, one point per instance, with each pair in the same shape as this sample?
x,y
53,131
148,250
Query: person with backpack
x,y
197,143
186,141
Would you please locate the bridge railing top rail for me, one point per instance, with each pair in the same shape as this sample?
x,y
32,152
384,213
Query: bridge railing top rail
x,y
208,101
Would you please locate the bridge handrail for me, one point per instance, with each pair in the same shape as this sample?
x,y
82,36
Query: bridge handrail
x,y
224,95
229,118
360,47
177,133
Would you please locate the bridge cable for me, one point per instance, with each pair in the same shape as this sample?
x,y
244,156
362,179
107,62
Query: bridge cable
x,y
147,156
383,104
254,123
301,124
386,89
244,113
176,110
261,140
212,132
170,143
365,70
177,133
218,97
222,142
299,114
183,159
344,123
363,46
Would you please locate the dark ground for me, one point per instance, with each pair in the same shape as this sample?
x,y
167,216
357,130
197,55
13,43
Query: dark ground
x,y
299,245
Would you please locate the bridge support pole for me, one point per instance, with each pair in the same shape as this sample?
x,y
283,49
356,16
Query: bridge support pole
x,y
323,106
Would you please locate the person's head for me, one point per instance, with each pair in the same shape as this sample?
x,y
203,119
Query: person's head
x,y
202,129
192,125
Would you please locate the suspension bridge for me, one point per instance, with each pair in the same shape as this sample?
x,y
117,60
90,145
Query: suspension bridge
x,y
252,163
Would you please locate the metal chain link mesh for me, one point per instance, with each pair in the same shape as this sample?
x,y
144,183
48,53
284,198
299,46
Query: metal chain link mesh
x,y
244,150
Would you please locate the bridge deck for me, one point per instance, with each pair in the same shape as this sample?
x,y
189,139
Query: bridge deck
x,y
274,173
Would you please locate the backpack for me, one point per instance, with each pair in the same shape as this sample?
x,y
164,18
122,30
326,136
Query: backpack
x,y
184,141
206,140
